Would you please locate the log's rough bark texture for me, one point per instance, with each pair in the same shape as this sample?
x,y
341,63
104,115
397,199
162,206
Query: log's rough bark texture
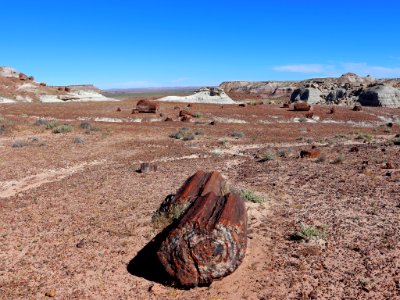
x,y
209,240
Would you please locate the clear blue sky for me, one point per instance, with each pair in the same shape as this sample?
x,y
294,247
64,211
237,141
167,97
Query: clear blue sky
x,y
184,43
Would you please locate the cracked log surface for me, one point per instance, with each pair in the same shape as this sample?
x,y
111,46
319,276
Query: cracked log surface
x,y
209,240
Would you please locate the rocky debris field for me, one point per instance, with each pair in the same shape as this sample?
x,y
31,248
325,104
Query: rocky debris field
x,y
80,184
344,90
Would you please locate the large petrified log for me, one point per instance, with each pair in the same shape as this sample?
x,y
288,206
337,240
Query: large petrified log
x,y
208,241
147,106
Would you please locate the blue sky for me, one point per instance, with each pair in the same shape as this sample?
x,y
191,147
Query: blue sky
x,y
122,44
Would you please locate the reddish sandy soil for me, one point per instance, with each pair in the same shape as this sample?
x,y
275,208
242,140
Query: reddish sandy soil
x,y
73,216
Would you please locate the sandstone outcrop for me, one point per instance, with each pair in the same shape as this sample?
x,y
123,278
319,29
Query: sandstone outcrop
x,y
380,95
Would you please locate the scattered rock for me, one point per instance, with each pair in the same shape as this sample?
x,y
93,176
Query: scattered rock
x,y
213,123
388,166
147,168
81,244
312,153
168,119
332,110
309,115
302,106
118,109
286,105
354,149
357,108
22,76
242,105
186,119
183,113
50,294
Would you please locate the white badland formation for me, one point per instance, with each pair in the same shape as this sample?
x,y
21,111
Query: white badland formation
x,y
203,95
17,87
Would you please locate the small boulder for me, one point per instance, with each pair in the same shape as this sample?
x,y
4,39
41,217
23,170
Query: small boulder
x,y
311,153
309,115
147,168
357,108
302,106
22,76
186,119
147,106
354,149
118,108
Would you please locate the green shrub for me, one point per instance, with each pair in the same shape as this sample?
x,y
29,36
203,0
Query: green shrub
x,y
250,196
310,232
63,129
197,115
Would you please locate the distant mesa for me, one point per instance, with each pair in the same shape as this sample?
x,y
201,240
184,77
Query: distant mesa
x,y
212,95
347,89
19,87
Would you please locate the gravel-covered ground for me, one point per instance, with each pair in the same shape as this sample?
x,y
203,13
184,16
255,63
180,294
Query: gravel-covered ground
x,y
74,211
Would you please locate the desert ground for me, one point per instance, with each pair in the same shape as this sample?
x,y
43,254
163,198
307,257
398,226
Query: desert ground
x,y
75,212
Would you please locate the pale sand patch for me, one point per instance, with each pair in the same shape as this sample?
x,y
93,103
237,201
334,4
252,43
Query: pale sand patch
x,y
13,187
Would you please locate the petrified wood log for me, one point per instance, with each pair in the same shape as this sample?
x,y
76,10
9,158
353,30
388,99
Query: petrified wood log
x,y
209,240
147,106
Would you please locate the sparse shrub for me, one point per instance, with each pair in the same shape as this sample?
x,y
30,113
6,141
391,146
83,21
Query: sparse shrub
x,y
183,134
86,125
197,115
63,128
364,136
283,153
51,125
78,140
188,137
309,232
268,156
340,159
223,141
35,139
251,196
237,134
2,129
19,144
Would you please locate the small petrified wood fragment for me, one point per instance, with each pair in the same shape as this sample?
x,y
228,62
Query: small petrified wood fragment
x,y
209,240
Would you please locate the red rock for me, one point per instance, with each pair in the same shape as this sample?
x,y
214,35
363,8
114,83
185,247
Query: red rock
x,y
147,106
183,113
354,149
209,240
332,110
357,108
67,89
286,105
302,106
213,123
242,105
118,108
388,166
309,115
168,119
134,111
312,153
22,76
186,119
43,84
